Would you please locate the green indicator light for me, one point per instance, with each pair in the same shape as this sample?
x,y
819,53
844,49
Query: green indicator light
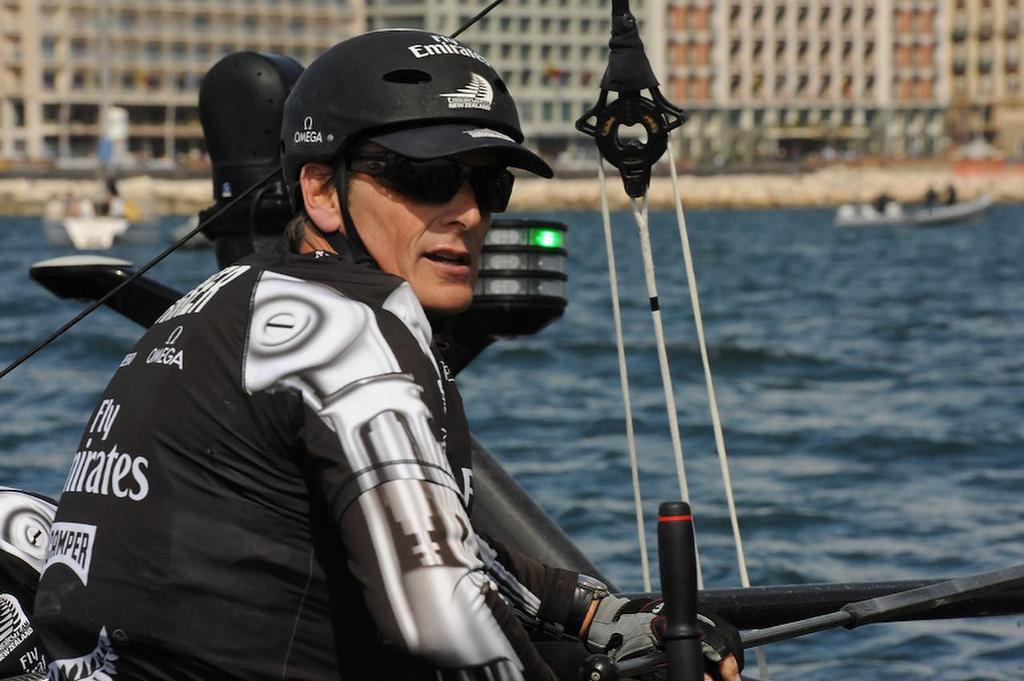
x,y
545,237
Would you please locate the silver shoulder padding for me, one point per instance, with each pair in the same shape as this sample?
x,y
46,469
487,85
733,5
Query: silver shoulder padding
x,y
25,522
308,336
329,347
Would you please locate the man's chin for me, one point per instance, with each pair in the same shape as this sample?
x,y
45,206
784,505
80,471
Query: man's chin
x,y
441,306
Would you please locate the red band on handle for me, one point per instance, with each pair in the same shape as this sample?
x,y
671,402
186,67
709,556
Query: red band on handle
x,y
675,518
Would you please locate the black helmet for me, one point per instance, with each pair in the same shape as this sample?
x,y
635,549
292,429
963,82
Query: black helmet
x,y
240,103
417,93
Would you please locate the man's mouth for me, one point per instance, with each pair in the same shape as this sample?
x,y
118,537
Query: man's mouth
x,y
449,258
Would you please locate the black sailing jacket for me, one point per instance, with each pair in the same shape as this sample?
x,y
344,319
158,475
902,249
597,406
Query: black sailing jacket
x,y
276,485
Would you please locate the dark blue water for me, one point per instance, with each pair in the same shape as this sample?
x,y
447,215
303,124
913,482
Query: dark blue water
x,y
871,384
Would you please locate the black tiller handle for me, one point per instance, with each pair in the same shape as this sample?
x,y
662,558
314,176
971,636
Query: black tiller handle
x,y
677,557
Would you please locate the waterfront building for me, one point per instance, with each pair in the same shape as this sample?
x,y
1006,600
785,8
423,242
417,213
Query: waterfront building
x,y
762,79
771,78
64,60
988,90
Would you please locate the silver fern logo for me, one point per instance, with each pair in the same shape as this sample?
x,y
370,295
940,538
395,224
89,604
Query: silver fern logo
x,y
97,665
14,626
477,94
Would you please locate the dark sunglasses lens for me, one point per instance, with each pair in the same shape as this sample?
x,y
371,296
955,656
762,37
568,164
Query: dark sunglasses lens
x,y
427,181
493,189
437,181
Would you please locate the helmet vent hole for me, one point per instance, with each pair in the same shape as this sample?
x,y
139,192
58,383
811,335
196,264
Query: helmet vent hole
x,y
500,84
408,76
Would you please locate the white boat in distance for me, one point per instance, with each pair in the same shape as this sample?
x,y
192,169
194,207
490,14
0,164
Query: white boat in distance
x,y
896,215
85,230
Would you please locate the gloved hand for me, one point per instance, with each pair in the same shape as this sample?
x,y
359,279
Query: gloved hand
x,y
719,639
624,628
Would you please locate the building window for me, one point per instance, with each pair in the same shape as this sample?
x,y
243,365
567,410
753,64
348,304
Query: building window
x,y
49,79
18,109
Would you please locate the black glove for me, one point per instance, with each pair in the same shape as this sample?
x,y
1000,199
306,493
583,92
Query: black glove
x,y
719,639
624,628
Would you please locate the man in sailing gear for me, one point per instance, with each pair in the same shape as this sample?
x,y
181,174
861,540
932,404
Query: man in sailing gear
x,y
275,483
623,628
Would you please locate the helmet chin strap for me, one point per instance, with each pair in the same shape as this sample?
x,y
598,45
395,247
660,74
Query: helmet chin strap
x,y
348,244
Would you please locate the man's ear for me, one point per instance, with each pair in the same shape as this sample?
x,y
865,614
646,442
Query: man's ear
x,y
320,197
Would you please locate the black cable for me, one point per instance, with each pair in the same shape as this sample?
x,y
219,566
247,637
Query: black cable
x,y
476,18
145,268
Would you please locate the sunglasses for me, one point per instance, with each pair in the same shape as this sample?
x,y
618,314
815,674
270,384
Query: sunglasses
x,y
436,180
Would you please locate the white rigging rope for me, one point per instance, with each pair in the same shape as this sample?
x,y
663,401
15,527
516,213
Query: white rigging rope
x,y
624,377
716,421
640,216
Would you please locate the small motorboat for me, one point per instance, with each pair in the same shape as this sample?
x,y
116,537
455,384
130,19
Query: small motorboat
x,y
87,226
919,215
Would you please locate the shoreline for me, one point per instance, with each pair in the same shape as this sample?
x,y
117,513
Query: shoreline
x,y
829,186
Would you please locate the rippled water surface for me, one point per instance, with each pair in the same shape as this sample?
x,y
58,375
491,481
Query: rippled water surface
x,y
871,383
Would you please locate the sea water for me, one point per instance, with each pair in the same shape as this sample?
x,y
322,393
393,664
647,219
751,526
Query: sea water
x,y
870,381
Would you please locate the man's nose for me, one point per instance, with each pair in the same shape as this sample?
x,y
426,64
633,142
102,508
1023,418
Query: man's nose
x,y
466,208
